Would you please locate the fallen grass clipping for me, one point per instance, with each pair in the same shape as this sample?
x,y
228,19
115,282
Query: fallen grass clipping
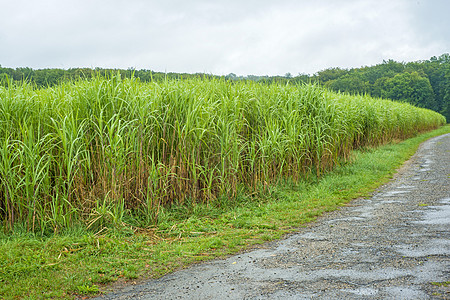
x,y
78,263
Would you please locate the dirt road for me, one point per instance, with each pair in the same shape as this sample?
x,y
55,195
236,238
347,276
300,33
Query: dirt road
x,y
394,245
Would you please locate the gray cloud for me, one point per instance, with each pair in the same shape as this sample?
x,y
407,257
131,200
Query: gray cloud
x,y
220,37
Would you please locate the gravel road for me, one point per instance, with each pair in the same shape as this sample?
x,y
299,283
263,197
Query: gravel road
x,y
394,245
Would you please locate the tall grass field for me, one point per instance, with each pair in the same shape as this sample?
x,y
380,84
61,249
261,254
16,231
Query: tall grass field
x,y
104,151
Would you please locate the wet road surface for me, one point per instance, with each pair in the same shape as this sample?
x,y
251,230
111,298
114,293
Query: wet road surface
x,y
393,245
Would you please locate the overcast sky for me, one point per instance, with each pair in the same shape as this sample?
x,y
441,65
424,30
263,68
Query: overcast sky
x,y
258,37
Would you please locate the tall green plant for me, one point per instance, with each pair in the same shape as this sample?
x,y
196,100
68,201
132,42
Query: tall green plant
x,y
96,150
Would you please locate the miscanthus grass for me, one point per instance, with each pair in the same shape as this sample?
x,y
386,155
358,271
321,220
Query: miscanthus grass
x,y
106,151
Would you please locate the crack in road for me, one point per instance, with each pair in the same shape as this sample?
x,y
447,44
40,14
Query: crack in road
x,y
393,245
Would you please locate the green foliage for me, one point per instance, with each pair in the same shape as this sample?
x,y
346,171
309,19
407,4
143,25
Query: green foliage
x,y
444,284
331,74
349,84
110,151
408,87
88,289
423,83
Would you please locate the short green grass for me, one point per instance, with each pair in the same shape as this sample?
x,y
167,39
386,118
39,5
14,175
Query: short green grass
x,y
79,263
445,283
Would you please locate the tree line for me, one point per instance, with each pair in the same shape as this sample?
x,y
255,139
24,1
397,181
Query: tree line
x,y
422,83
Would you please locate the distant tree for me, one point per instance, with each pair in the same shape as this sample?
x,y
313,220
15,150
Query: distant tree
x,y
391,67
438,71
330,74
231,76
409,87
350,84
253,77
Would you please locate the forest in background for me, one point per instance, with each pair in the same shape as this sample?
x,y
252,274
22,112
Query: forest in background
x,y
423,83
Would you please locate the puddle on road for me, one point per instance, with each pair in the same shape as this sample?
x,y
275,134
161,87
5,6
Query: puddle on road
x,y
437,215
433,247
391,201
312,236
393,193
361,291
406,187
403,292
364,211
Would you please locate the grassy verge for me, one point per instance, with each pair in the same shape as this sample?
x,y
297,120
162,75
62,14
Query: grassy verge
x,y
79,263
